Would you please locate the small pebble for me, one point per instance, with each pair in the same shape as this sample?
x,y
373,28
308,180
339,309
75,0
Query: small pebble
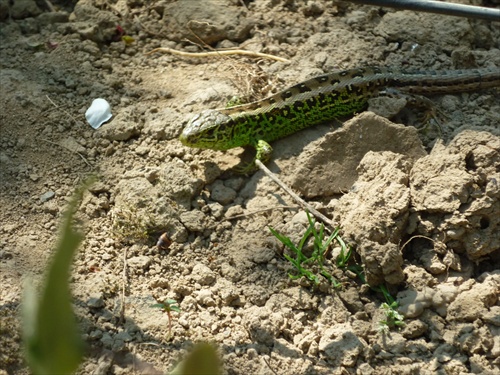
x,y
47,196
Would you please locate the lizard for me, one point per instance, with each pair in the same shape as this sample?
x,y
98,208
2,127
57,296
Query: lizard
x,y
317,100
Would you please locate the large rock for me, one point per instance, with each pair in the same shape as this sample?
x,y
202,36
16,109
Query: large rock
x,y
328,166
374,214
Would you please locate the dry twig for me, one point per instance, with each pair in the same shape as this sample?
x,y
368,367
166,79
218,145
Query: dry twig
x,y
217,53
261,210
299,200
124,283
70,150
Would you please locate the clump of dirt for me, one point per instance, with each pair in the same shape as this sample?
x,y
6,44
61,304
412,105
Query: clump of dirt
x,y
419,207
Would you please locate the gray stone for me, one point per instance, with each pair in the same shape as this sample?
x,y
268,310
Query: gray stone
x,y
194,221
47,196
50,18
222,194
95,302
23,9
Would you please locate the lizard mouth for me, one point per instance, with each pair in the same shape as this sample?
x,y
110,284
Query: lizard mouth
x,y
194,141
184,138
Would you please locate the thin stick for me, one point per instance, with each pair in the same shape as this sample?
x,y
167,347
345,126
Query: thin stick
x,y
124,282
70,150
299,200
440,7
259,211
268,365
217,53
65,112
417,236
50,6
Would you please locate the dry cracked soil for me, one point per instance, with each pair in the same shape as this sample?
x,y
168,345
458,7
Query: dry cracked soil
x,y
419,206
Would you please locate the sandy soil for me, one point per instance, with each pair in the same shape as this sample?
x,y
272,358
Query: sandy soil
x,y
421,208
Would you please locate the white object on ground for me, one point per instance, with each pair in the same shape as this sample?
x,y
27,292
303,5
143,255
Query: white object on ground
x,y
98,113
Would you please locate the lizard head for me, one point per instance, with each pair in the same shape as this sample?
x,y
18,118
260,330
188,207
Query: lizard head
x,y
208,129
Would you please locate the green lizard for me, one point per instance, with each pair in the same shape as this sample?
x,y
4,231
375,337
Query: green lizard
x,y
317,100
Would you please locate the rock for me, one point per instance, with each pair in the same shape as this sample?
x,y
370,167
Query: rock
x,y
374,214
47,196
475,340
424,28
234,211
194,221
95,302
210,20
139,262
4,9
262,324
445,294
93,23
21,9
412,303
123,127
72,145
217,210
202,274
204,298
328,165
414,329
107,340
443,192
340,346
165,124
51,18
471,304
142,204
180,184
222,194
455,190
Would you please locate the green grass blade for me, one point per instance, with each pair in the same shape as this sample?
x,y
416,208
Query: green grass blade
x,y
332,237
52,340
284,240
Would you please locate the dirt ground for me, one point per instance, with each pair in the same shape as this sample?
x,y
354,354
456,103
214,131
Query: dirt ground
x,y
421,208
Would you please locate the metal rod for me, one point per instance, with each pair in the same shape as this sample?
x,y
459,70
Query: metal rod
x,y
431,6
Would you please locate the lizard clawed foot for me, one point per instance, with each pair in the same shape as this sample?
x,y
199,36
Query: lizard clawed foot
x,y
264,151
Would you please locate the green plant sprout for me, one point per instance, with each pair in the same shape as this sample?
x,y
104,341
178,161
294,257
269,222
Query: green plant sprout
x,y
313,266
234,101
130,225
390,307
344,256
168,306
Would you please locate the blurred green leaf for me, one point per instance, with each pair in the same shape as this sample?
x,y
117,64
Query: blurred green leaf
x,y
128,39
202,360
53,343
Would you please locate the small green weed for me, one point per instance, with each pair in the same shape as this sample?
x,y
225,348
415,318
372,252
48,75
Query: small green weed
x,y
234,101
168,306
392,317
131,226
313,266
